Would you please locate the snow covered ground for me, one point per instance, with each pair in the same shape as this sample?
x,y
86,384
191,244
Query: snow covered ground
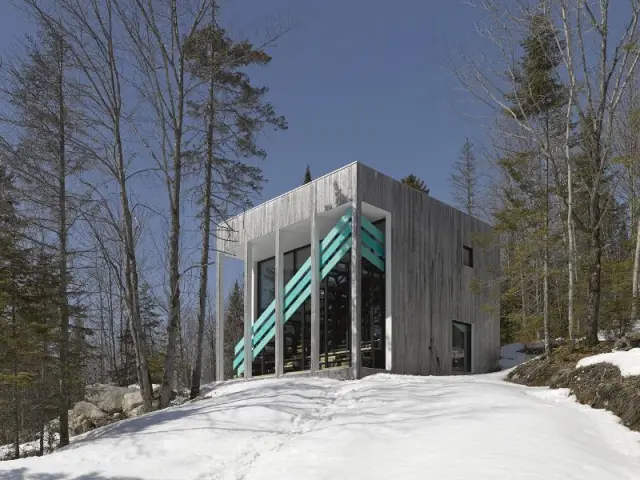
x,y
381,427
627,361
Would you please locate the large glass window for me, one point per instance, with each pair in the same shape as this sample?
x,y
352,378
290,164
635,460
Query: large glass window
x,y
373,314
461,348
335,315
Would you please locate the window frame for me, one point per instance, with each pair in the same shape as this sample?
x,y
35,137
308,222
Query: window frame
x,y
467,252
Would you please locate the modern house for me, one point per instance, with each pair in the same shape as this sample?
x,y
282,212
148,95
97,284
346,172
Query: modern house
x,y
356,273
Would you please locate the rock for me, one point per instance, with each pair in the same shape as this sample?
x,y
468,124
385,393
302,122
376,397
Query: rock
x,y
116,417
131,400
107,398
139,410
91,412
84,425
621,344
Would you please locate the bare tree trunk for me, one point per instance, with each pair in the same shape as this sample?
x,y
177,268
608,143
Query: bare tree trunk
x,y
174,238
63,278
204,267
206,232
547,340
636,268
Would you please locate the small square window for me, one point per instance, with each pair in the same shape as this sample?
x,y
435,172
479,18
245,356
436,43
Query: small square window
x,y
467,256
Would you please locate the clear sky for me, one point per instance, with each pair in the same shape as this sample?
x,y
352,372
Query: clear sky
x,y
365,80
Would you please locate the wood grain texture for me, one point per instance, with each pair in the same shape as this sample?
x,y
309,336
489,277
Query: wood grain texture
x,y
430,285
329,191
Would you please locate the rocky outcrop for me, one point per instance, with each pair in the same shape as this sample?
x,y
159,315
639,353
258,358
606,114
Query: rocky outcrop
x,y
107,398
131,400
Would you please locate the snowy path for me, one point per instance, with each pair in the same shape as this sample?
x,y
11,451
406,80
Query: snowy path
x,y
378,428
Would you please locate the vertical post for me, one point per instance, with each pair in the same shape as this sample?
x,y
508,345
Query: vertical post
x,y
356,278
279,305
248,309
315,289
388,296
220,317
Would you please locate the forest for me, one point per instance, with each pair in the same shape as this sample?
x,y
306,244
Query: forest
x,y
130,129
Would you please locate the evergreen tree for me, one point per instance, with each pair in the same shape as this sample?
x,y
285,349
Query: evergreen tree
x,y
234,111
307,176
234,325
416,183
464,180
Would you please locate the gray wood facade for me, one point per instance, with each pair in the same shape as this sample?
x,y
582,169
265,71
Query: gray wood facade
x,y
428,287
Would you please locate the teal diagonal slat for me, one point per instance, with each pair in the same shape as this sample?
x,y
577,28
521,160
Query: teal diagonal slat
x,y
263,328
301,293
369,241
301,282
372,229
328,262
373,259
270,310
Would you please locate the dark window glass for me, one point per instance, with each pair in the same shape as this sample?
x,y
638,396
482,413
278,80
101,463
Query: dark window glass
x,y
467,256
461,348
373,313
266,283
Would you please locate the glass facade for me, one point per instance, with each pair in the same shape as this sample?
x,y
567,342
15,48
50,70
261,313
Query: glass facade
x,y
461,348
335,316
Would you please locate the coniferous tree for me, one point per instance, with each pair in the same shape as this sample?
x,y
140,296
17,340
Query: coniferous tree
x,y
234,111
307,175
465,179
234,325
416,183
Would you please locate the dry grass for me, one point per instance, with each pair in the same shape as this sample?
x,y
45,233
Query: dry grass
x,y
599,386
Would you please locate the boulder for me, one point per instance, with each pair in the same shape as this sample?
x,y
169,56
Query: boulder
x,y
139,410
116,417
89,411
131,400
107,398
82,426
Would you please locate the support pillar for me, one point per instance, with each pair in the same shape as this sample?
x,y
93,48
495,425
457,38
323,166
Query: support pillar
x,y
356,279
219,316
279,280
315,290
248,309
388,289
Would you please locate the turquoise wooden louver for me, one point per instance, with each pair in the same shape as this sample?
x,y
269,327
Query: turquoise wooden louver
x,y
332,248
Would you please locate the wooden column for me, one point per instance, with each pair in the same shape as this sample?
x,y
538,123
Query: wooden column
x,y
219,316
356,279
315,289
248,308
279,304
388,289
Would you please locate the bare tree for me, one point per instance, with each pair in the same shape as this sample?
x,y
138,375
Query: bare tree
x,y
158,30
602,75
90,28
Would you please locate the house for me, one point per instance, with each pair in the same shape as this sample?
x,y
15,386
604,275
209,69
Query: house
x,y
356,273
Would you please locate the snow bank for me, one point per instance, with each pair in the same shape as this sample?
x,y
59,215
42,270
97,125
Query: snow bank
x,y
627,361
381,427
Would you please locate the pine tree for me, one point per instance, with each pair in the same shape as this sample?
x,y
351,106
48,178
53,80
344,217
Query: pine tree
x,y
464,180
416,183
235,111
307,175
234,325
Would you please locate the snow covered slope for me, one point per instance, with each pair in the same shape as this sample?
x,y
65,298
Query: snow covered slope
x,y
473,427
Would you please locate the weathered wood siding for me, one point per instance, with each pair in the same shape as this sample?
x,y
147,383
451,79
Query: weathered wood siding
x,y
331,191
431,286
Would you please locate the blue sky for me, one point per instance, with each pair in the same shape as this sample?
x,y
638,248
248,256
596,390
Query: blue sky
x,y
363,80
